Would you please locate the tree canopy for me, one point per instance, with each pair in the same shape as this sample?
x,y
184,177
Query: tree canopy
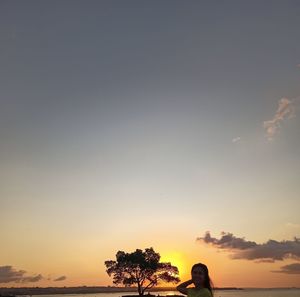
x,y
141,268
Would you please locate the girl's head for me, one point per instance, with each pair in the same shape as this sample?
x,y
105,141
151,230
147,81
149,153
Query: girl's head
x,y
200,276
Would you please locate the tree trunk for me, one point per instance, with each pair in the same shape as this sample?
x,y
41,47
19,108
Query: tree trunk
x,y
140,290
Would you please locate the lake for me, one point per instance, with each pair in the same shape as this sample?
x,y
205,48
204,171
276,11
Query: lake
x,y
218,293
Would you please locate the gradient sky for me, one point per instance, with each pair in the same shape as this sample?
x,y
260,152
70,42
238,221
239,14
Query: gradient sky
x,y
130,124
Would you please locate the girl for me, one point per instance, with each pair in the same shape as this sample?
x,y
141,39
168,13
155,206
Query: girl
x,y
201,280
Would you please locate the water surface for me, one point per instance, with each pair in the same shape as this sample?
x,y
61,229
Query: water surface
x,y
218,293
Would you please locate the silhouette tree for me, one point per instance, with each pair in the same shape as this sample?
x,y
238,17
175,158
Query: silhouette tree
x,y
141,268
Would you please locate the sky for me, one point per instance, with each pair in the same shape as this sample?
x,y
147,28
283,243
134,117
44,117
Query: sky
x,y
135,124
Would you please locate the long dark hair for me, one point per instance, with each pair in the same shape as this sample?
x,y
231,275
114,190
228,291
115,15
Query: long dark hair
x,y
207,282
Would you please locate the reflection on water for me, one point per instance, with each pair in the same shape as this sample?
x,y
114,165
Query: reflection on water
x,y
218,293
252,293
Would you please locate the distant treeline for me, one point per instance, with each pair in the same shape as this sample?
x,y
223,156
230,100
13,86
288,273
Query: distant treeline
x,y
79,290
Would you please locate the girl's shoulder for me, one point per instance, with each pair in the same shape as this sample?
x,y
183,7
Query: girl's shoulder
x,y
207,292
203,292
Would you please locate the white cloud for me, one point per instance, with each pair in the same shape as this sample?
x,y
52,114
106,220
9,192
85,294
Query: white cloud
x,y
285,110
236,139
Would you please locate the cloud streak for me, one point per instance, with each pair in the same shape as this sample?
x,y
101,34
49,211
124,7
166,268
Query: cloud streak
x,y
293,268
241,248
285,110
236,139
60,278
9,274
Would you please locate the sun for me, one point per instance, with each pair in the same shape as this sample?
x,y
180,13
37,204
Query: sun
x,y
177,259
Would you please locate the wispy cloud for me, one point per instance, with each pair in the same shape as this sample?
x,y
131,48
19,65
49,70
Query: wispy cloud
x,y
293,268
292,225
285,110
60,278
236,139
241,248
9,274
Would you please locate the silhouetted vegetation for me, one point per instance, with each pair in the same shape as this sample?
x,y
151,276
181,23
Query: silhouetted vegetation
x,y
141,268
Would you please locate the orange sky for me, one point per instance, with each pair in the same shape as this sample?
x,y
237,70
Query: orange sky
x,y
83,261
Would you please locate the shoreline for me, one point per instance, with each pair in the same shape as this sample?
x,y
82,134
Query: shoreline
x,y
7,291
13,291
